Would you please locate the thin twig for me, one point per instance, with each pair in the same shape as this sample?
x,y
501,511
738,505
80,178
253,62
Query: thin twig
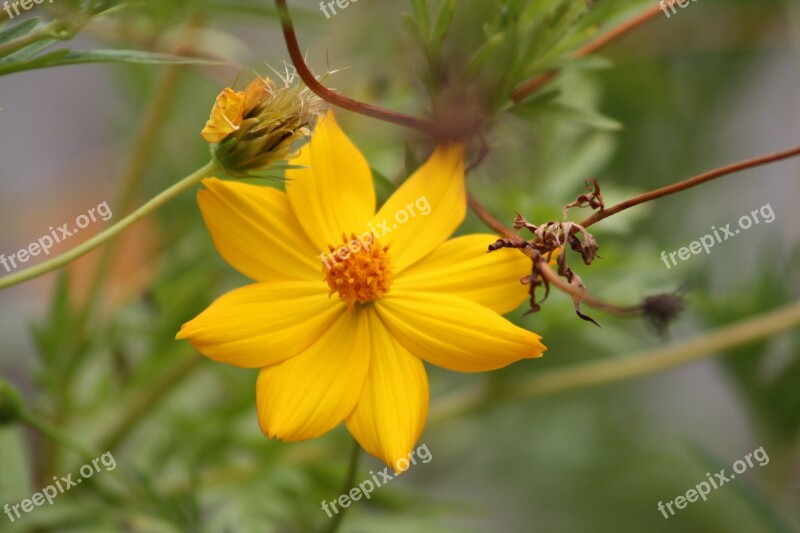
x,y
592,301
489,219
335,98
689,183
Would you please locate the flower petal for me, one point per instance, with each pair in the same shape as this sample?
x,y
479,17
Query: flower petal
x,y
426,209
256,92
263,324
455,333
462,267
391,413
334,194
311,393
256,232
226,116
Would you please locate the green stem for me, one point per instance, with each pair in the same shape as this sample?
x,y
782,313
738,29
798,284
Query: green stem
x,y
56,434
349,481
143,146
61,30
101,238
631,366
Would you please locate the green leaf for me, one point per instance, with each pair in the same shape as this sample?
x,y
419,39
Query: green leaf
x,y
552,30
68,57
18,30
535,106
47,335
411,161
413,28
24,54
483,55
421,14
586,117
384,187
444,19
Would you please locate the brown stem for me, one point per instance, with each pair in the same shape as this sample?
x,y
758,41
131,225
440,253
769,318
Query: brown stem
x,y
489,219
689,183
554,279
335,98
534,84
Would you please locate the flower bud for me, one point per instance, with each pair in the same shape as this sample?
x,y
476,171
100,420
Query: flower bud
x,y
252,129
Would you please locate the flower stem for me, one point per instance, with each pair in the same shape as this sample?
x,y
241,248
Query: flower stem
x,y
349,481
62,30
299,62
692,182
489,219
492,222
103,237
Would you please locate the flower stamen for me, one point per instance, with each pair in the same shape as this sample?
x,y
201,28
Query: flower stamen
x,y
362,272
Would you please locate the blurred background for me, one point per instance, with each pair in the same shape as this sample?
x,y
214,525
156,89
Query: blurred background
x,y
92,349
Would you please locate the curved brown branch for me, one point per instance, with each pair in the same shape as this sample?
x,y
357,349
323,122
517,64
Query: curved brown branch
x,y
689,183
335,98
489,219
534,84
554,279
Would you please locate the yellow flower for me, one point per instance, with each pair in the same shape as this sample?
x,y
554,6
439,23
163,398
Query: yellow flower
x,y
348,302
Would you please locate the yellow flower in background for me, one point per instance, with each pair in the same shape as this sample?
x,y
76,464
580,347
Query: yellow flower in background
x,y
348,302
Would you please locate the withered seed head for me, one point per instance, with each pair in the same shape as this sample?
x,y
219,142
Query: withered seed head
x,y
661,309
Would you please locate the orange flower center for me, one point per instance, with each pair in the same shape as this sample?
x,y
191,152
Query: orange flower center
x,y
359,270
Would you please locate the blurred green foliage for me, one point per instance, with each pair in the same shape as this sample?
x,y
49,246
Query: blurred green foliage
x,y
183,430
